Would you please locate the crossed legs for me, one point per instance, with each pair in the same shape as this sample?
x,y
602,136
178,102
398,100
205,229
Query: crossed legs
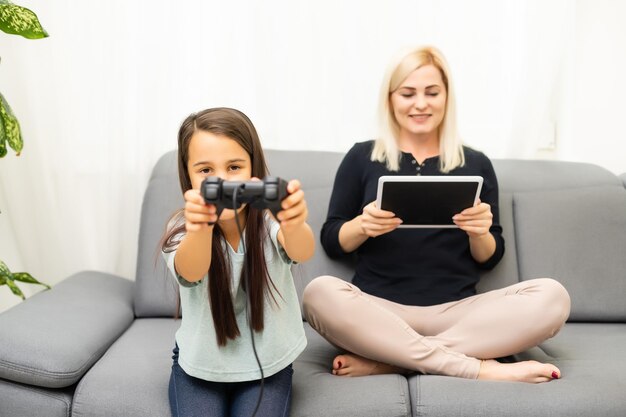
x,y
459,338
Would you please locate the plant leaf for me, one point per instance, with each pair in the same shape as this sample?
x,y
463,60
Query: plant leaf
x,y
5,272
3,140
3,137
18,20
27,278
15,289
11,128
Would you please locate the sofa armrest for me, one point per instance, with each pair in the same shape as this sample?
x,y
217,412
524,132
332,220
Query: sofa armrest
x,y
623,177
53,338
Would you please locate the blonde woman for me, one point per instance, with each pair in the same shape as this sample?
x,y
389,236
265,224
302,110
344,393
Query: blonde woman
x,y
412,304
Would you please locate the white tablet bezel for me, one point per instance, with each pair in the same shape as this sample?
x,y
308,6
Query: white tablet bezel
x,y
428,178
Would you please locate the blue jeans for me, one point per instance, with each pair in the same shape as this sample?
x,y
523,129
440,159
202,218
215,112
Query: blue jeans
x,y
193,397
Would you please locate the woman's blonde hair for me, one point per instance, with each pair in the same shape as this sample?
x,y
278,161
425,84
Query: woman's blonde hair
x,y
386,147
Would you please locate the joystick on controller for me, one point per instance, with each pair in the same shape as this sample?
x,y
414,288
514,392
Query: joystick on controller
x,y
265,194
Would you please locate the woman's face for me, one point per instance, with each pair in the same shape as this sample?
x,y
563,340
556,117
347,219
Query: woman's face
x,y
419,104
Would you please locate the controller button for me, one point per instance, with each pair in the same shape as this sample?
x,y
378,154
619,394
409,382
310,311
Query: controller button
x,y
271,192
211,193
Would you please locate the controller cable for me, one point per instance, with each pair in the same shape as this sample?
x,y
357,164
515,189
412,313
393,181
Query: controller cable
x,y
246,279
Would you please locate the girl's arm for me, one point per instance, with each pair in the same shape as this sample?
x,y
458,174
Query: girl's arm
x,y
193,256
295,235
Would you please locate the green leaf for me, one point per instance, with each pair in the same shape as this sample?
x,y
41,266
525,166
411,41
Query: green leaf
x,y
5,272
3,140
27,278
10,128
15,289
18,20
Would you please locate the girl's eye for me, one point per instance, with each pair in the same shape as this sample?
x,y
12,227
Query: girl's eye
x,y
234,167
432,94
407,95
205,171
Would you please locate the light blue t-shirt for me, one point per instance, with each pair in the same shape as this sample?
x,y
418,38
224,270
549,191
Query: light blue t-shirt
x,y
278,345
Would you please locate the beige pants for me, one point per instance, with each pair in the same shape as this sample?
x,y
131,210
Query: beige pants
x,y
446,339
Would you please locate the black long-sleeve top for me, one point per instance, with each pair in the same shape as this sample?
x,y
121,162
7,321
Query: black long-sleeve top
x,y
409,266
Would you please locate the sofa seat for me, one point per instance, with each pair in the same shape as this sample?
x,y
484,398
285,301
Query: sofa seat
x,y
19,400
317,392
590,356
132,377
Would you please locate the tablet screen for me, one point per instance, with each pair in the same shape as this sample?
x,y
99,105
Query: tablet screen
x,y
424,201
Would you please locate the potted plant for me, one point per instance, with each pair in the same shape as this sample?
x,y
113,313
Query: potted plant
x,y
15,20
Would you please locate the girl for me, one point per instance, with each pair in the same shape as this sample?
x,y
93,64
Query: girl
x,y
215,370
412,304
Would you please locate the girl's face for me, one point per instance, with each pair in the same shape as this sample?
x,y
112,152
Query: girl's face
x,y
419,104
220,156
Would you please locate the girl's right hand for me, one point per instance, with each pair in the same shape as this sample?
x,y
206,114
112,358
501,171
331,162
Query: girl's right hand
x,y
376,222
198,215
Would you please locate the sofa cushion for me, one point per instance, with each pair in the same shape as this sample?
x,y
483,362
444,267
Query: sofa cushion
x,y
54,337
517,175
17,400
317,392
131,379
577,237
590,357
155,290
316,171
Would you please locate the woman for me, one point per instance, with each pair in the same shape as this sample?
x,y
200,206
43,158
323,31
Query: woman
x,y
413,304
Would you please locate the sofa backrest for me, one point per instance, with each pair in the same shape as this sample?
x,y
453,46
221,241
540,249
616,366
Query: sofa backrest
x,y
570,225
549,212
155,292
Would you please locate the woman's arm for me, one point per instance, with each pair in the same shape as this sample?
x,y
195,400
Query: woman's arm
x,y
482,222
350,222
476,222
193,256
371,223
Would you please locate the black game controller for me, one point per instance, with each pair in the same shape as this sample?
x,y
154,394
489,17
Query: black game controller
x,y
265,194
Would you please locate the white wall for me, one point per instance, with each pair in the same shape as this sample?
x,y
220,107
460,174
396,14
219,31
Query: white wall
x,y
597,132
102,98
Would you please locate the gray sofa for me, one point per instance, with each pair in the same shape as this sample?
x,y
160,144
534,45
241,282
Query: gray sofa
x,y
100,345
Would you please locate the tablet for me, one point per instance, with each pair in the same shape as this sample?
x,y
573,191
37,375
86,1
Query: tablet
x,y
427,201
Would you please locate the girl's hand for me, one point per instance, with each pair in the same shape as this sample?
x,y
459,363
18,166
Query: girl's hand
x,y
294,211
475,221
376,222
198,215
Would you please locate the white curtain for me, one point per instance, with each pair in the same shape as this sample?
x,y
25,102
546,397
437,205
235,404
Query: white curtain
x,y
101,99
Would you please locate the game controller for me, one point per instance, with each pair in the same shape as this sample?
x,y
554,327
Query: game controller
x,y
265,194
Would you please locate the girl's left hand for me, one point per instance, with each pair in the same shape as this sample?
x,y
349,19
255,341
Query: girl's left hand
x,y
294,210
475,221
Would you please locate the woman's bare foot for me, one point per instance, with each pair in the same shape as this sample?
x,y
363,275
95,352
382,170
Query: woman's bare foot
x,y
354,365
527,371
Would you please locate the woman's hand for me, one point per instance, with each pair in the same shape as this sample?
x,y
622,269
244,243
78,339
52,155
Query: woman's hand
x,y
475,221
198,215
375,222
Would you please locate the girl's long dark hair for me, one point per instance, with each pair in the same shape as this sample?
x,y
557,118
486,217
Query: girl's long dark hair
x,y
238,127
